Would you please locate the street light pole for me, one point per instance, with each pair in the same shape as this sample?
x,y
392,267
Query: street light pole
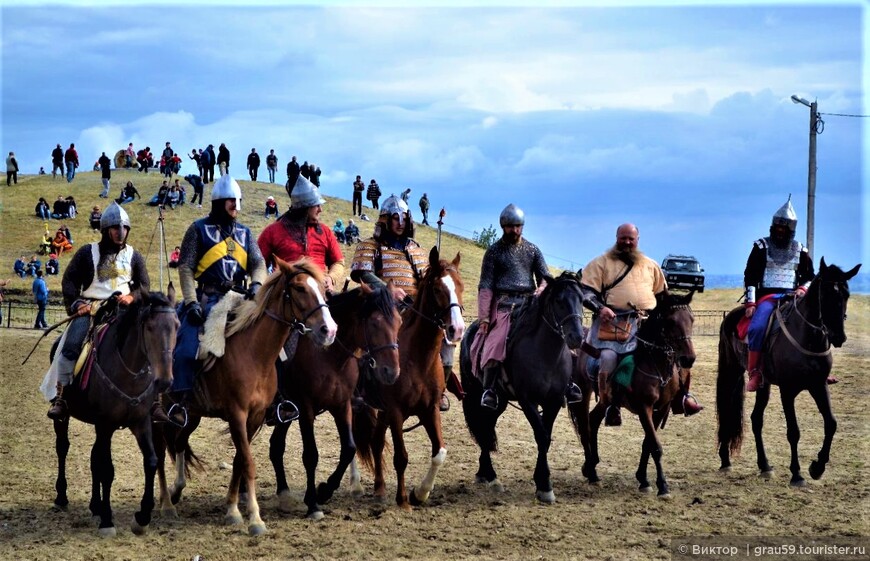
x,y
811,172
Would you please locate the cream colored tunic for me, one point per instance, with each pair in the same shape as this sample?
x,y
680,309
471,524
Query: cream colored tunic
x,y
639,287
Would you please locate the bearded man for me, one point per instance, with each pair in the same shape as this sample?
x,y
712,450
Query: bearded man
x,y
617,286
513,269
777,265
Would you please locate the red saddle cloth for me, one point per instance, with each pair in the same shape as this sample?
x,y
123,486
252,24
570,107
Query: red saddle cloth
x,y
743,324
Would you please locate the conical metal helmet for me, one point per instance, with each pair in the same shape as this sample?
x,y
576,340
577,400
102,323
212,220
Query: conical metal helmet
x,y
512,215
114,215
786,216
227,188
394,205
305,194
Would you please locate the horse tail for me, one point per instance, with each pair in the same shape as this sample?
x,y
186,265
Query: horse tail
x,y
478,421
729,387
191,460
363,430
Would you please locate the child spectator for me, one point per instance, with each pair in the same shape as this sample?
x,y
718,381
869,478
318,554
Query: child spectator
x,y
52,267
42,209
351,233
71,209
128,194
45,243
94,219
338,230
173,197
174,257
271,208
20,267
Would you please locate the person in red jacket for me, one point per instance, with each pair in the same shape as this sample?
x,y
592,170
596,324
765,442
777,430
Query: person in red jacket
x,y
71,157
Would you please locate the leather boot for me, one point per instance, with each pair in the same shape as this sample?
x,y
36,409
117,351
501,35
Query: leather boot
x,y
444,403
684,402
489,399
754,367
158,414
58,410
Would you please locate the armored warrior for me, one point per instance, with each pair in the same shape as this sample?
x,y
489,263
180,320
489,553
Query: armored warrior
x,y
513,269
392,256
777,265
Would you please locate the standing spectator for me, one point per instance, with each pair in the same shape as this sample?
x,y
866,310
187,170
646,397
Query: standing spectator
x,y
42,209
424,208
94,219
315,175
20,267
56,161
292,174
129,156
11,169
271,208
253,164
128,194
52,267
196,182
272,165
166,155
40,295
197,157
351,233
71,208
223,157
60,209
208,160
406,194
144,158
373,193
175,163
106,173
71,158
305,170
358,188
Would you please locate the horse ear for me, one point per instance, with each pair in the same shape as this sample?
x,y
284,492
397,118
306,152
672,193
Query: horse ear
x,y
853,272
366,289
433,257
822,265
456,260
170,293
280,263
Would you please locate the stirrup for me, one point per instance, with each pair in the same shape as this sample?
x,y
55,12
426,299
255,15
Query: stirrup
x,y
691,410
492,402
290,415
573,394
177,409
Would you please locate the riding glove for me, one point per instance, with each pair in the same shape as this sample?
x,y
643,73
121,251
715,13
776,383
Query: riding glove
x,y
194,316
252,291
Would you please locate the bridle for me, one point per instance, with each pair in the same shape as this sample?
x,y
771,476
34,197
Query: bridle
x,y
667,349
287,298
821,328
438,318
557,327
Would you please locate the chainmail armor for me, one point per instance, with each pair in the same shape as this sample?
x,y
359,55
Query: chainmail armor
x,y
512,268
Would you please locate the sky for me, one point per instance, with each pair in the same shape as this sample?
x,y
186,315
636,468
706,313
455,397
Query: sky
x,y
676,117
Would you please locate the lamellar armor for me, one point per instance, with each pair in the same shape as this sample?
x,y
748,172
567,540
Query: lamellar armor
x,y
402,267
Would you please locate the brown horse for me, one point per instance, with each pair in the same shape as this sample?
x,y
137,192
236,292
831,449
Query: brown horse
x,y
664,354
797,358
243,382
132,364
436,310
324,378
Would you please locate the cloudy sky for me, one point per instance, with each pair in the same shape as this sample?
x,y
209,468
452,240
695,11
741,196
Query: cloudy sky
x,y
676,117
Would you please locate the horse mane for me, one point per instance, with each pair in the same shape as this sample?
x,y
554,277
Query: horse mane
x,y
531,306
249,311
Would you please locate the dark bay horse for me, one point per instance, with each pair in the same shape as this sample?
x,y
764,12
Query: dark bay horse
x,y
132,364
243,382
664,353
324,378
436,310
797,357
537,369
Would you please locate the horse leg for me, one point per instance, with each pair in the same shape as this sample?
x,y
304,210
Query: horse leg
x,y
103,473
354,480
310,458
793,433
243,467
592,458
277,446
61,447
420,495
142,432
541,425
823,401
159,437
652,446
762,397
182,445
344,426
400,461
379,439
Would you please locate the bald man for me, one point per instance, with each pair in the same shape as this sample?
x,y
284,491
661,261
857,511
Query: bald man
x,y
615,285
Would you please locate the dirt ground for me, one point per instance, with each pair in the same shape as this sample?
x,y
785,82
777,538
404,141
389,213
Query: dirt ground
x,y
463,520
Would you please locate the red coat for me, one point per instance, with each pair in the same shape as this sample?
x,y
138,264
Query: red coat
x,y
323,248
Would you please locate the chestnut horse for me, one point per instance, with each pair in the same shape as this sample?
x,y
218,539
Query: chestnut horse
x,y
797,357
132,364
243,382
437,310
664,352
319,379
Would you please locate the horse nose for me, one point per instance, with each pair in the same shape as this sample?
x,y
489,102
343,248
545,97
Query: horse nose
x,y
328,333
687,361
388,375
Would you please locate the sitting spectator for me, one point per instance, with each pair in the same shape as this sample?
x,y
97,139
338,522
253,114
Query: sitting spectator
x,y
71,207
52,267
338,230
174,257
271,208
42,209
182,192
94,219
160,198
60,209
351,233
41,170
33,265
20,267
60,243
173,197
128,194
66,233
45,243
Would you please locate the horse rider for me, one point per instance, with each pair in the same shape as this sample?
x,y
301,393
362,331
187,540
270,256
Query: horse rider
x,y
619,286
99,271
513,269
777,265
218,254
392,254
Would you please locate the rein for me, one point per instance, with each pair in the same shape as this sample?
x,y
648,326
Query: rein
x,y
791,338
298,325
438,320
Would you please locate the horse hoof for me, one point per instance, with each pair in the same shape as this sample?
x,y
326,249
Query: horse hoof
x,y
233,519
357,490
315,515
495,486
798,482
666,496
766,474
109,532
817,470
137,529
644,489
380,499
59,507
415,500
256,529
285,502
546,497
725,469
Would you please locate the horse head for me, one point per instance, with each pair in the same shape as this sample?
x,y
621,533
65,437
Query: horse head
x,y
155,314
562,307
830,289
377,333
443,282
300,299
674,319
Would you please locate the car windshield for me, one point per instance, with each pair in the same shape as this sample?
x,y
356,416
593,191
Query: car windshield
x,y
687,266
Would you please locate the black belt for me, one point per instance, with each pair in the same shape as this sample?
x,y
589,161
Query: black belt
x,y
513,293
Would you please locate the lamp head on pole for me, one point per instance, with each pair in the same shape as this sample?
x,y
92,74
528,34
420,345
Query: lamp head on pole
x,y
802,101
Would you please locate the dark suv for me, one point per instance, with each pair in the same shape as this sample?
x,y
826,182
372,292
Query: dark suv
x,y
683,271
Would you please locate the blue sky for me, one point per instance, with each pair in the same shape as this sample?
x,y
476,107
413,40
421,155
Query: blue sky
x,y
676,117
